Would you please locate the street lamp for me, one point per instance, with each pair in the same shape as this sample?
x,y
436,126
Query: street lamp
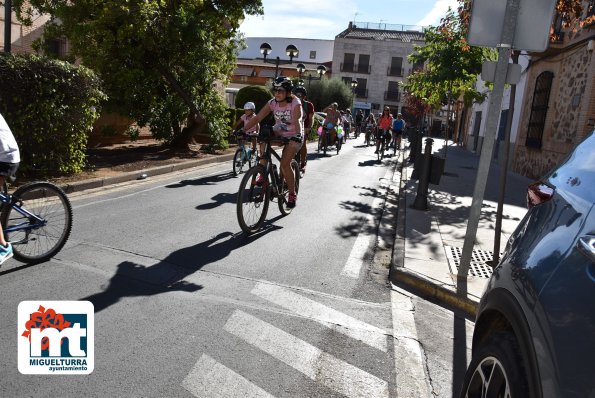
x,y
353,87
290,50
321,70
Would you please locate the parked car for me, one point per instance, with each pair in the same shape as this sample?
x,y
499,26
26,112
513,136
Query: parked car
x,y
534,333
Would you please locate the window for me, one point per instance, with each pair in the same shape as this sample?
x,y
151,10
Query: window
x,y
312,54
392,94
348,62
364,63
396,66
347,81
360,90
541,98
418,66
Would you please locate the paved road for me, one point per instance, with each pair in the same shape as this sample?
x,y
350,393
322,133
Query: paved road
x,y
187,306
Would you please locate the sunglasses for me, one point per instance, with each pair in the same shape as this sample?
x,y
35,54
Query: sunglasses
x,y
278,90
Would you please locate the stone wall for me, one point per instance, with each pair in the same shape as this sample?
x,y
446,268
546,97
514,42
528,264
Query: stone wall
x,y
571,104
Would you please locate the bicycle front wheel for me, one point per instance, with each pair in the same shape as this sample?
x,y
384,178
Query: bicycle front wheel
x,y
238,162
43,227
253,199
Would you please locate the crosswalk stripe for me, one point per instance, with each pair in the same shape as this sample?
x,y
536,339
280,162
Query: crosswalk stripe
x,y
209,378
331,318
409,361
305,358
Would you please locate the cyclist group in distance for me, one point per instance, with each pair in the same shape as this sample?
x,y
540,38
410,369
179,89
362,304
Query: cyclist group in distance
x,y
293,115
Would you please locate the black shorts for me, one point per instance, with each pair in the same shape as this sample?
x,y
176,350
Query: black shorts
x,y
8,169
398,133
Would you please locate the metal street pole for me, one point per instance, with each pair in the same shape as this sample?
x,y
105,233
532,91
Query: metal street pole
x,y
277,60
507,37
7,25
504,168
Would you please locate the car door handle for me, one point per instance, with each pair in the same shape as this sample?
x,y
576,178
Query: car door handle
x,y
586,244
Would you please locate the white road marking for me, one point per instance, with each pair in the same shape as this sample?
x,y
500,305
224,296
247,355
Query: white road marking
x,y
305,358
409,362
209,378
331,318
356,258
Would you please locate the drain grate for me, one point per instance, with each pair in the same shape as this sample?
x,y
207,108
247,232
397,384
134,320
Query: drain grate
x,y
479,261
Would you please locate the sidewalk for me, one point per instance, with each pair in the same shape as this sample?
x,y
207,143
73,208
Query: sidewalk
x,y
429,243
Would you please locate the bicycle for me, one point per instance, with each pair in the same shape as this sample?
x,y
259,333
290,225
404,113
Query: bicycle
x,y
253,197
36,219
384,143
243,155
370,131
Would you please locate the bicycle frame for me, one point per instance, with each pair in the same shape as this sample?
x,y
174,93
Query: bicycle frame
x,y
24,226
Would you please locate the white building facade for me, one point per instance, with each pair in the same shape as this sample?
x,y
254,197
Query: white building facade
x,y
375,55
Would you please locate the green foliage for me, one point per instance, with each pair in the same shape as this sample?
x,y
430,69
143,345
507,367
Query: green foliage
x,y
451,63
326,91
260,95
50,106
158,59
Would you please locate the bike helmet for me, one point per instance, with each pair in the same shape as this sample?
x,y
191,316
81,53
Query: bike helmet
x,y
300,90
284,83
249,105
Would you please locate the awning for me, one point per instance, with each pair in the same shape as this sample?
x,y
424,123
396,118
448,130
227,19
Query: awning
x,y
245,71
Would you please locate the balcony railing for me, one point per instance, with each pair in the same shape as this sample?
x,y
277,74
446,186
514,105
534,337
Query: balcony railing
x,y
392,96
347,67
361,93
363,69
395,71
356,68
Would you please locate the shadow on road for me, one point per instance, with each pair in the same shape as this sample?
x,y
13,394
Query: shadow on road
x,y
210,180
134,280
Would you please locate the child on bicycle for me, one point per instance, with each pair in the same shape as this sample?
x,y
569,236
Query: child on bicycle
x,y
9,163
287,110
252,133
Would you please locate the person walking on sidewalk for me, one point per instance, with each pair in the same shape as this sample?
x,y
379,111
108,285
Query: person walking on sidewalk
x,y
9,163
307,116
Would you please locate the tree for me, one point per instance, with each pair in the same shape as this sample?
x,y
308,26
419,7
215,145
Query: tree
x,y
158,59
451,64
326,91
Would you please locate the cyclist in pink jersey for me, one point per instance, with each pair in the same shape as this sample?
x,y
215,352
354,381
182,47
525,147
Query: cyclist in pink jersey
x,y
287,110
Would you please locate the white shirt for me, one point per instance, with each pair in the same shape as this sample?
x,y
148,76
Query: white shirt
x,y
9,150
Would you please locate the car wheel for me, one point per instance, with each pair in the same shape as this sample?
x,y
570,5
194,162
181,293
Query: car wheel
x,y
496,370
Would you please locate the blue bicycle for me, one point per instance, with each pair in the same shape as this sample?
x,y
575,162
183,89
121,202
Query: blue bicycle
x,y
244,154
36,219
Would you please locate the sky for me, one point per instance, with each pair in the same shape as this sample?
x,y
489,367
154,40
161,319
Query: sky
x,y
319,19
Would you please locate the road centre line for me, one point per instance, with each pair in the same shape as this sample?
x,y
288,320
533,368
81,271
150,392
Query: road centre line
x,y
326,316
305,358
209,378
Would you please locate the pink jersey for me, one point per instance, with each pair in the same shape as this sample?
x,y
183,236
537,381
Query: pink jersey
x,y
284,116
245,118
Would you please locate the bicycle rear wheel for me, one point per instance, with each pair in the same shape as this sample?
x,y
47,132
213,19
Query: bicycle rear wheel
x,y
36,240
253,200
284,196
